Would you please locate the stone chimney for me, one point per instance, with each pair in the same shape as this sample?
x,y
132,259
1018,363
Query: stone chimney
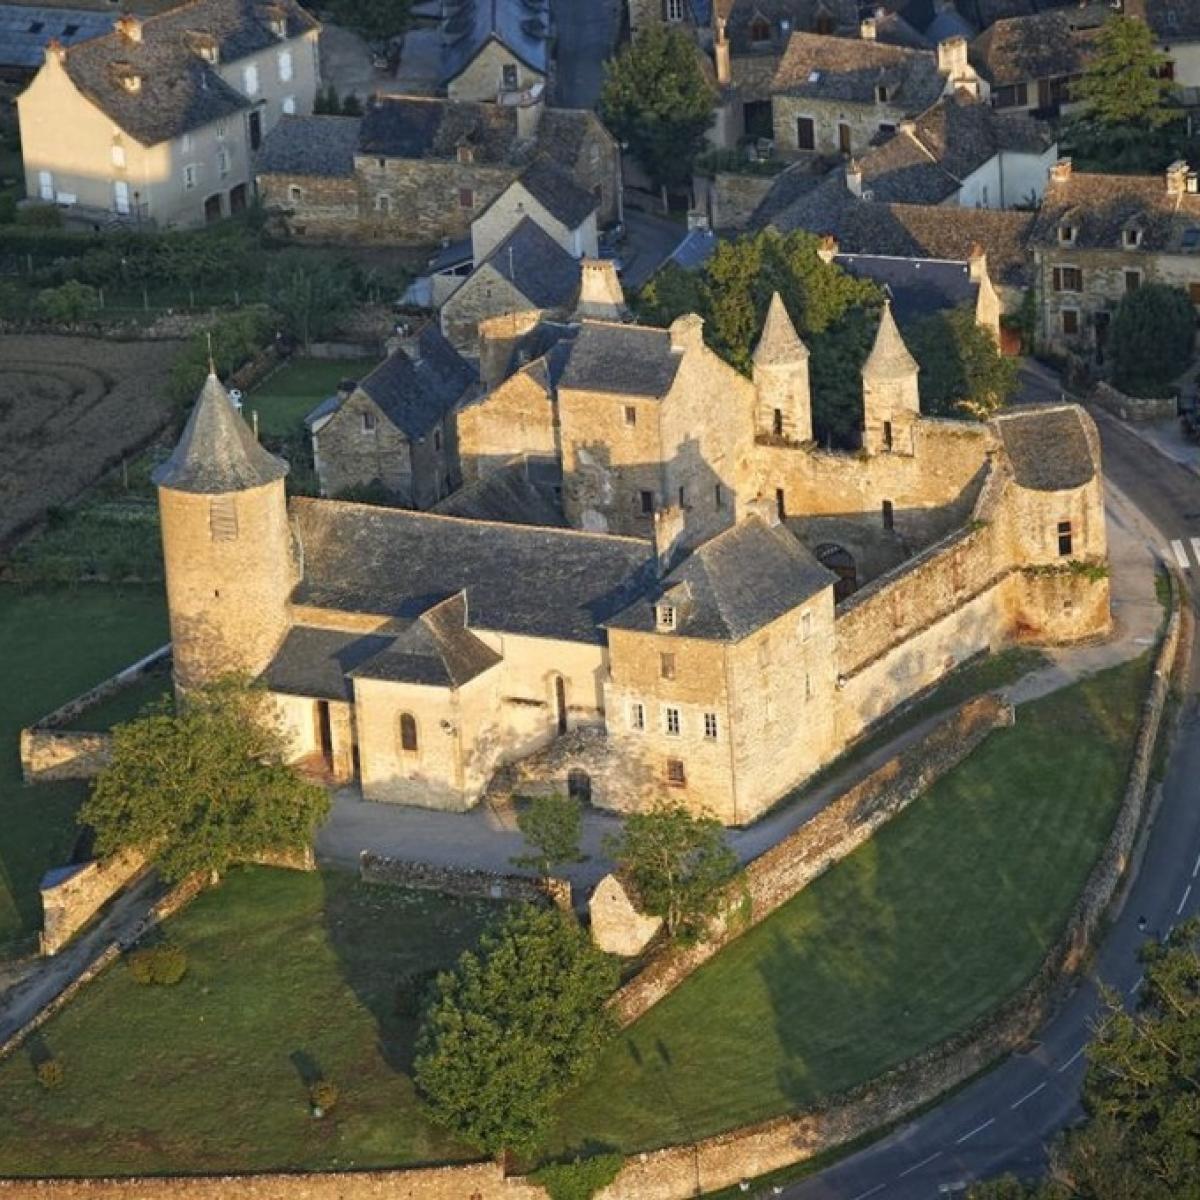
x,y
977,263
130,28
1061,171
854,179
1180,178
687,333
721,52
867,29
952,57
530,106
669,525
600,295
827,250
55,51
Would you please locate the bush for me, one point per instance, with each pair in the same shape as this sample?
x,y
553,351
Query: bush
x,y
50,1074
323,1095
163,965
1151,339
581,1179
69,303
8,208
40,216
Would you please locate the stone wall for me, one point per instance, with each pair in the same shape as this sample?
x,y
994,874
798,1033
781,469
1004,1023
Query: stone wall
x,y
71,896
840,828
1133,408
462,881
733,198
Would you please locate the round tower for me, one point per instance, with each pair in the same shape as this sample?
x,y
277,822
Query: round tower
x,y
781,378
891,402
226,545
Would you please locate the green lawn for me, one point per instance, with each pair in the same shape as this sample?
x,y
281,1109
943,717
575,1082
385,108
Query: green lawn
x,y
54,644
283,400
945,912
290,974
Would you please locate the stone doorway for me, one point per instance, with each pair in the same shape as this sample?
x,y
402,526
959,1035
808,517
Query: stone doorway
x,y
579,785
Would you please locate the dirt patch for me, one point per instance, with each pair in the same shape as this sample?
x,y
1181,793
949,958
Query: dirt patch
x,y
70,409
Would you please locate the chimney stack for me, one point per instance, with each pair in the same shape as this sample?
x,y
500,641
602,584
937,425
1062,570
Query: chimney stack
x,y
600,294
952,57
721,52
130,28
867,29
854,178
1180,178
827,250
687,333
1061,171
977,263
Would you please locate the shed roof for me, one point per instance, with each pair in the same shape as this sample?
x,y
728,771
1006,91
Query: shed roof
x,y
315,662
316,145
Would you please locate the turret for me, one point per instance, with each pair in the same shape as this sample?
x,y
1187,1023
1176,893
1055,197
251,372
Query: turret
x,y
781,378
226,544
891,402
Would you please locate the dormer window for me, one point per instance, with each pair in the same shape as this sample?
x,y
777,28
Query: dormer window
x,y
466,154
881,93
665,616
760,30
127,77
1066,234
1133,237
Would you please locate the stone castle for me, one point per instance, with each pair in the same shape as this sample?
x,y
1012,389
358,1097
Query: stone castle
x,y
720,609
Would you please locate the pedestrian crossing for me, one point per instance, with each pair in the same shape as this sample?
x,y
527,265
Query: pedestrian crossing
x,y
1177,554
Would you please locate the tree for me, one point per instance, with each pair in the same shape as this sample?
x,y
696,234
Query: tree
x,y
352,106
962,369
552,825
520,1020
202,786
657,100
376,20
678,864
310,295
69,303
1124,83
1151,339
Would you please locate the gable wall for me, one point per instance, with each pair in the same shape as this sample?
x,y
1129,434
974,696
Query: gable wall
x,y
482,78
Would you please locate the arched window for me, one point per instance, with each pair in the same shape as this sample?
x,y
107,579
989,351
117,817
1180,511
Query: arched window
x,y
408,733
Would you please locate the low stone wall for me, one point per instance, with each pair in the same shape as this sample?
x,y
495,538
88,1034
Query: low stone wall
x,y
71,896
462,881
735,197
1133,408
343,350
836,831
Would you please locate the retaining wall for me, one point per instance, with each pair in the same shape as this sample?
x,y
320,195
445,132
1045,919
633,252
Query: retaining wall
x,y
1134,408
462,881
71,896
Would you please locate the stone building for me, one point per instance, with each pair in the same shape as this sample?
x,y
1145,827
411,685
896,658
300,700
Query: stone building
x,y
1098,237
495,47
1176,27
776,600
156,123
419,170
394,429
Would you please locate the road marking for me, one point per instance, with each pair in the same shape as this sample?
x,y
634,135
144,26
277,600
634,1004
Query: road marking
x,y
977,1129
1028,1095
1140,980
1196,868
1180,554
877,1188
1071,1059
1187,891
923,1163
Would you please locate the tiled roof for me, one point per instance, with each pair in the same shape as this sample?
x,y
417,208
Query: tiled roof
x,y
630,359
1172,20
536,265
782,17
557,192
733,584
779,342
505,495
1022,49
1048,448
317,145
179,90
519,579
694,250
314,662
524,27
216,452
849,69
26,30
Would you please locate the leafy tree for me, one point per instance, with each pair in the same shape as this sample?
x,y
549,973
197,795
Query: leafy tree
x,y
520,1020
1123,83
1151,339
376,20
204,786
69,303
311,295
552,825
236,339
962,369
657,100
678,863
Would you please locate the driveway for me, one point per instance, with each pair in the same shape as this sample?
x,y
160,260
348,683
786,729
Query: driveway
x,y
586,35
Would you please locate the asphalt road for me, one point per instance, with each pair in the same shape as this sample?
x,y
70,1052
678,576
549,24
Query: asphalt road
x,y
1006,1119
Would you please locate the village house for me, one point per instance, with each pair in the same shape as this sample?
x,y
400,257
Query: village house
x,y
1176,27
1099,237
495,47
772,588
420,170
156,123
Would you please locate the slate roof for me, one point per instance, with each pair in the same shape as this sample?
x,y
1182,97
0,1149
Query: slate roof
x,y
1021,49
314,662
1048,448
630,359
519,579
557,192
505,495
849,70
416,391
26,30
535,264
179,91
1172,20
696,248
740,15
889,357
317,145
1100,207
918,287
436,650
733,584
523,27
778,343
216,452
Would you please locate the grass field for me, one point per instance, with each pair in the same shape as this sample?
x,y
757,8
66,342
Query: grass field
x,y
945,912
291,975
284,399
54,644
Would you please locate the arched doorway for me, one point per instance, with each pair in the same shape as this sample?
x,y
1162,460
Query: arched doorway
x,y
560,703
840,561
579,785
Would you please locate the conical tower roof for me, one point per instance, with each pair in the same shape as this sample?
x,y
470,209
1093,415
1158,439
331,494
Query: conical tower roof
x,y
779,343
889,357
217,452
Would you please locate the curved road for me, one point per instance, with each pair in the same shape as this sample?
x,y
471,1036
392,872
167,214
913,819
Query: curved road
x,y
1005,1119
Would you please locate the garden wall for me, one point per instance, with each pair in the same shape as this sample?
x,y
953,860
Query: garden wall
x,y
836,831
72,895
462,881
1133,408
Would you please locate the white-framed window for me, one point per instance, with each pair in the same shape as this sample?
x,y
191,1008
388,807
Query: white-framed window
x,y
222,162
710,726
674,10
383,204
1133,237
665,615
285,65
45,185
805,626
189,177
509,77
289,105
637,715
185,143
118,156
250,79
1066,234
671,722
121,196
295,193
